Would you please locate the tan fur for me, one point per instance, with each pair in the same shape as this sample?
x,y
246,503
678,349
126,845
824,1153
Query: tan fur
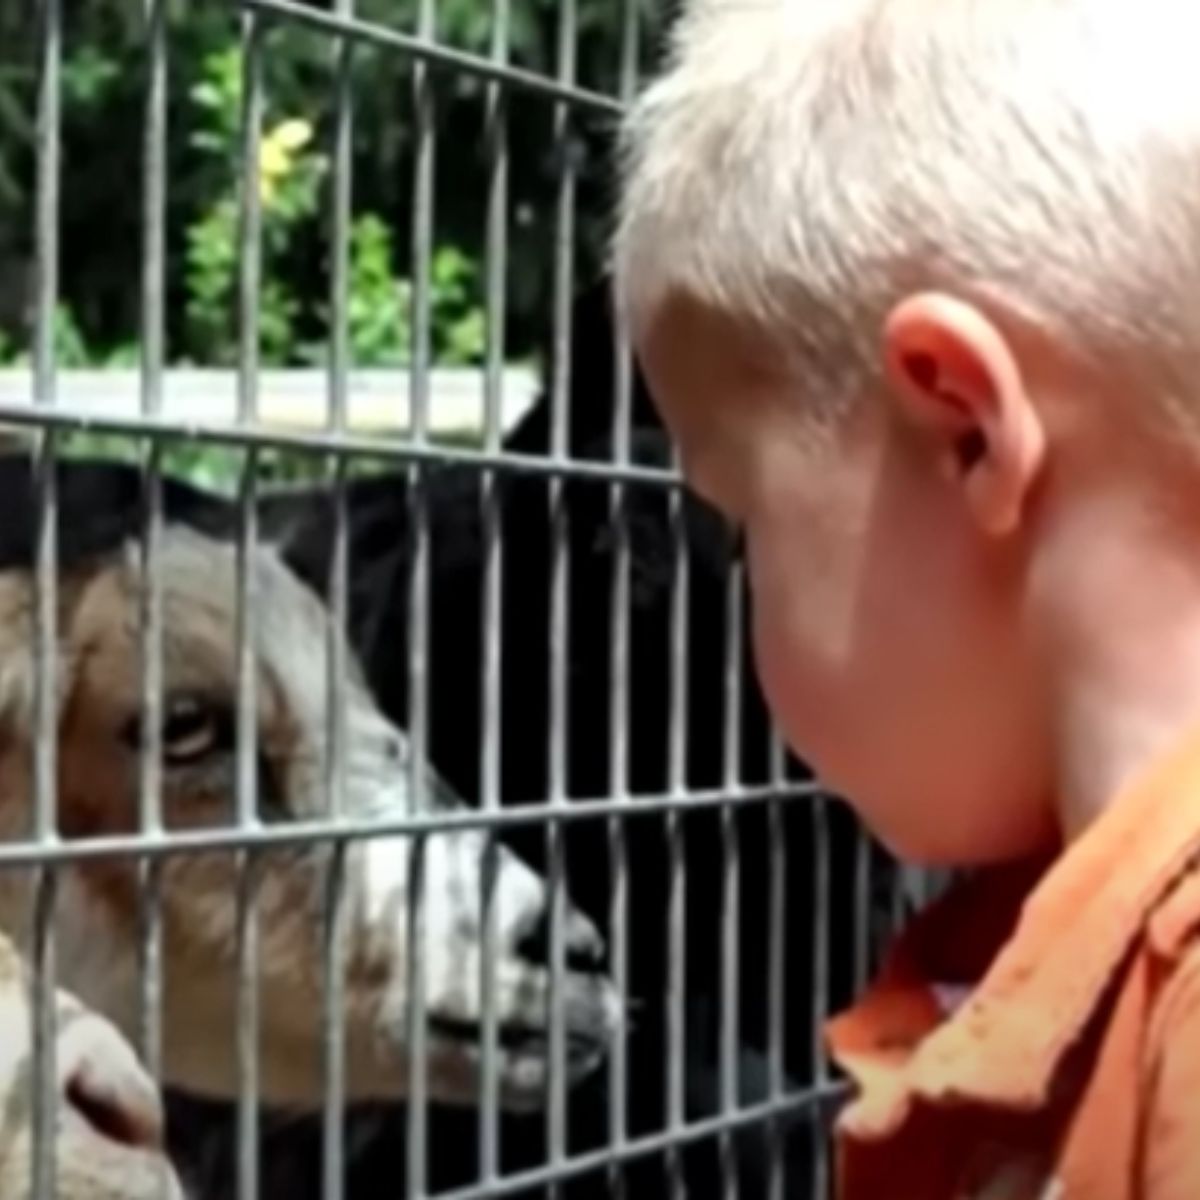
x,y
91,1060
97,797
100,689
100,686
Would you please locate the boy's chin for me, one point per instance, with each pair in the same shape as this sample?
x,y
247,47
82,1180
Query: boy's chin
x,y
924,839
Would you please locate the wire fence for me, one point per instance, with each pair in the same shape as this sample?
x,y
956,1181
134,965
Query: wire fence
x,y
592,715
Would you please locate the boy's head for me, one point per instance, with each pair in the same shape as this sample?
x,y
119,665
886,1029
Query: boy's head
x,y
915,284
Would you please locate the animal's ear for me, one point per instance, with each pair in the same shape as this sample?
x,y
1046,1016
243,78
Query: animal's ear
x,y
299,524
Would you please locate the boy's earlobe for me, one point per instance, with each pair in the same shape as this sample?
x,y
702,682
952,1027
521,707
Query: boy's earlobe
x,y
956,379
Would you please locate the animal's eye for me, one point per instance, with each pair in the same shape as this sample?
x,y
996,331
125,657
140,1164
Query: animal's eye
x,y
191,729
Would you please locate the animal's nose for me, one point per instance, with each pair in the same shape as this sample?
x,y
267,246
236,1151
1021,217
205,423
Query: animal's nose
x,y
583,947
104,1083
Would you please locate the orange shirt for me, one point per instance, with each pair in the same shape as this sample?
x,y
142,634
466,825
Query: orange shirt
x,y
1071,1070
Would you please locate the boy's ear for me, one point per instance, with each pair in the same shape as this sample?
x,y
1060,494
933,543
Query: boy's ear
x,y
955,377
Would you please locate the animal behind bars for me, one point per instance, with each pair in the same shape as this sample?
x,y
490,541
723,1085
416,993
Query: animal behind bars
x,y
100,727
381,561
108,1132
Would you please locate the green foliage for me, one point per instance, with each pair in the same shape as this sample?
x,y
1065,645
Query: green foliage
x,y
218,95
71,349
458,320
87,76
213,467
104,76
291,174
289,187
211,270
379,303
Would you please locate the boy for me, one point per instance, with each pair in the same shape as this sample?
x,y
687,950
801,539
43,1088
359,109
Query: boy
x,y
916,286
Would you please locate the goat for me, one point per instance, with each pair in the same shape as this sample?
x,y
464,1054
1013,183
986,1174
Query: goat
x,y
107,1143
100,718
380,554
380,511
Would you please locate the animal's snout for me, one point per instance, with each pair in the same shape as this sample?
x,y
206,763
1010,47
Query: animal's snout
x,y
491,928
103,1084
524,903
583,947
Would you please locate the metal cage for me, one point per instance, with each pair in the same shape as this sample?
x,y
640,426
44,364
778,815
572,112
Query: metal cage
x,y
828,909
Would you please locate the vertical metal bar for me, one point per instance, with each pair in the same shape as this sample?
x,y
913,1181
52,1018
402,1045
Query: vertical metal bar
x,y
564,235
150,611
415,1025
899,899
862,909
618,764
154,203
731,872
418,599
340,223
333,964
422,225
822,847
618,767
559,602
249,281
332,1034
776,982
631,31
422,257
618,784
564,264
49,157
676,861
491,610
496,140
493,549
45,641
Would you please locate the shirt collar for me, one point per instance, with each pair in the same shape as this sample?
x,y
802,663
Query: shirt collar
x,y
1040,942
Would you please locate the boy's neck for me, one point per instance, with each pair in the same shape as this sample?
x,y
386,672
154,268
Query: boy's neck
x,y
1127,683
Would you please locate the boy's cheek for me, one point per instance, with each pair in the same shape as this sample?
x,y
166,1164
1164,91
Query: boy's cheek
x,y
798,691
830,724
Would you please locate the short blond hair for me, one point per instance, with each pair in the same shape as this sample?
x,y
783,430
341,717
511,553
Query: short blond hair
x,y
805,163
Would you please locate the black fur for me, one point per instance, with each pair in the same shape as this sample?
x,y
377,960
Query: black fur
x,y
449,506
591,389
101,506
381,516
98,508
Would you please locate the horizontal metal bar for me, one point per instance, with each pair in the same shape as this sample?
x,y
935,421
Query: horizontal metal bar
x,y
298,833
339,445
814,1100
436,55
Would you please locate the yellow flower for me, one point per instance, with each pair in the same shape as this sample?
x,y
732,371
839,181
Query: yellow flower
x,y
293,134
273,159
277,151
